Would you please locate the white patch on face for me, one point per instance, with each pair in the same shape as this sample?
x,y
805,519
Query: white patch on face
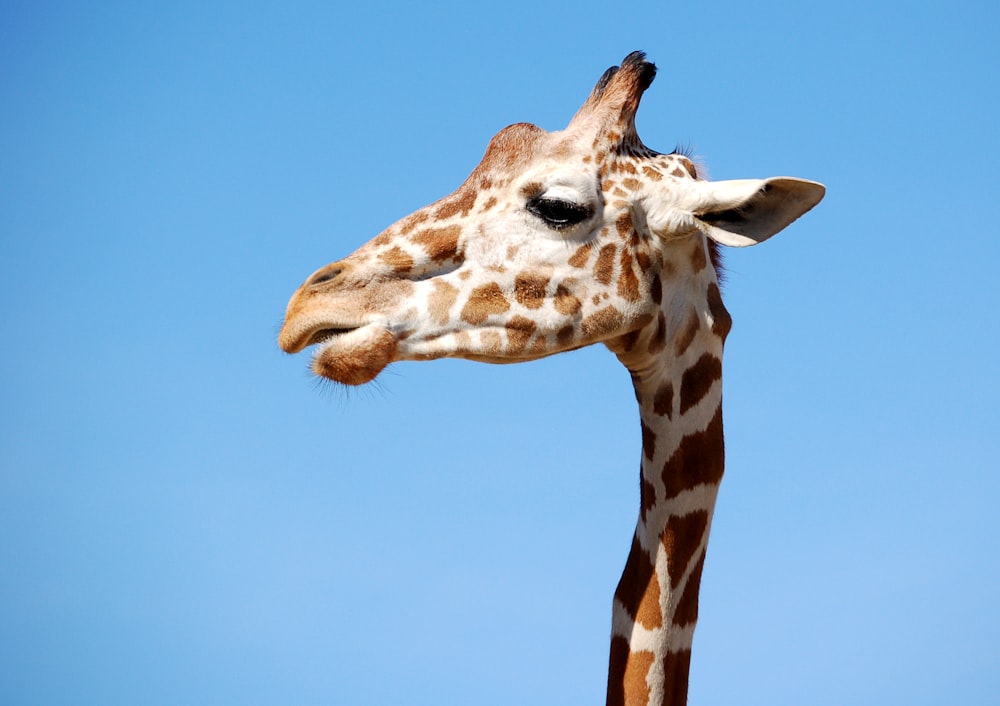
x,y
568,192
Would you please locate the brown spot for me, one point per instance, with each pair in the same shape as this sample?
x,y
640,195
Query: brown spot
x,y
681,538
653,174
631,184
566,302
700,458
686,336
648,442
440,243
519,332
639,588
722,322
629,168
512,251
412,221
565,335
689,166
382,239
484,301
628,283
698,380
485,183
658,341
698,259
656,289
602,323
531,189
642,257
397,259
663,401
607,185
686,612
627,675
441,299
605,267
490,203
678,172
582,254
647,497
628,342
648,613
529,290
676,667
624,224
460,202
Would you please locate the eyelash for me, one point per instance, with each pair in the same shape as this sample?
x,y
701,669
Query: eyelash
x,y
557,213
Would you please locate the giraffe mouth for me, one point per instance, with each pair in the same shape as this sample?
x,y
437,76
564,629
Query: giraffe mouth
x,y
297,334
325,335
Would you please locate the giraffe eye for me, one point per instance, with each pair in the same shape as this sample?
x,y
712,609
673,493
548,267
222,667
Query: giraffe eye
x,y
557,213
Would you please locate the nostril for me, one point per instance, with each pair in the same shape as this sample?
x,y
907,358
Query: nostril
x,y
325,274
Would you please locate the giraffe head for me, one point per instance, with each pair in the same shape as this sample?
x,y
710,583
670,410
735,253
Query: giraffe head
x,y
556,240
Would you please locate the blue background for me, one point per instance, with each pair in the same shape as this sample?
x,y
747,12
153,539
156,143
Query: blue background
x,y
186,517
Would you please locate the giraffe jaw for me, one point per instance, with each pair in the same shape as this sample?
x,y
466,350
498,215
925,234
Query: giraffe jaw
x,y
352,356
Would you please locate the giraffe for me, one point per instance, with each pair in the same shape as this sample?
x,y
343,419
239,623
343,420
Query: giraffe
x,y
559,240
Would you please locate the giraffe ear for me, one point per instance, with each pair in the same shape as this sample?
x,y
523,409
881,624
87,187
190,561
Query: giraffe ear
x,y
745,212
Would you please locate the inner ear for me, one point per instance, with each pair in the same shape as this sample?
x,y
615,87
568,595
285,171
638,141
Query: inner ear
x,y
774,205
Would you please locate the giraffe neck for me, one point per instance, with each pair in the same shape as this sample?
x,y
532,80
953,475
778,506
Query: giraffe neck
x,y
656,601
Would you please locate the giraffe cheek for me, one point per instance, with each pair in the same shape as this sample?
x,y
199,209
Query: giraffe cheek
x,y
359,363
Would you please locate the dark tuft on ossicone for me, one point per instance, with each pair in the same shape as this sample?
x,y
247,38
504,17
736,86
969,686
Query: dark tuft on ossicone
x,y
636,62
604,80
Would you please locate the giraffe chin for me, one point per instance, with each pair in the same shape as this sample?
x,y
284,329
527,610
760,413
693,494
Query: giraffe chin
x,y
357,357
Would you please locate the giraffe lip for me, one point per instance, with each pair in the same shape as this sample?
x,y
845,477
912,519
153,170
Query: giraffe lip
x,y
299,333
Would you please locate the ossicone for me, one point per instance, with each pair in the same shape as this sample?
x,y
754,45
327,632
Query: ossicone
x,y
612,105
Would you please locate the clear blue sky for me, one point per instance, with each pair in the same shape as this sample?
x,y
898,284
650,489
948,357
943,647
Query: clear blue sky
x,y
186,518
